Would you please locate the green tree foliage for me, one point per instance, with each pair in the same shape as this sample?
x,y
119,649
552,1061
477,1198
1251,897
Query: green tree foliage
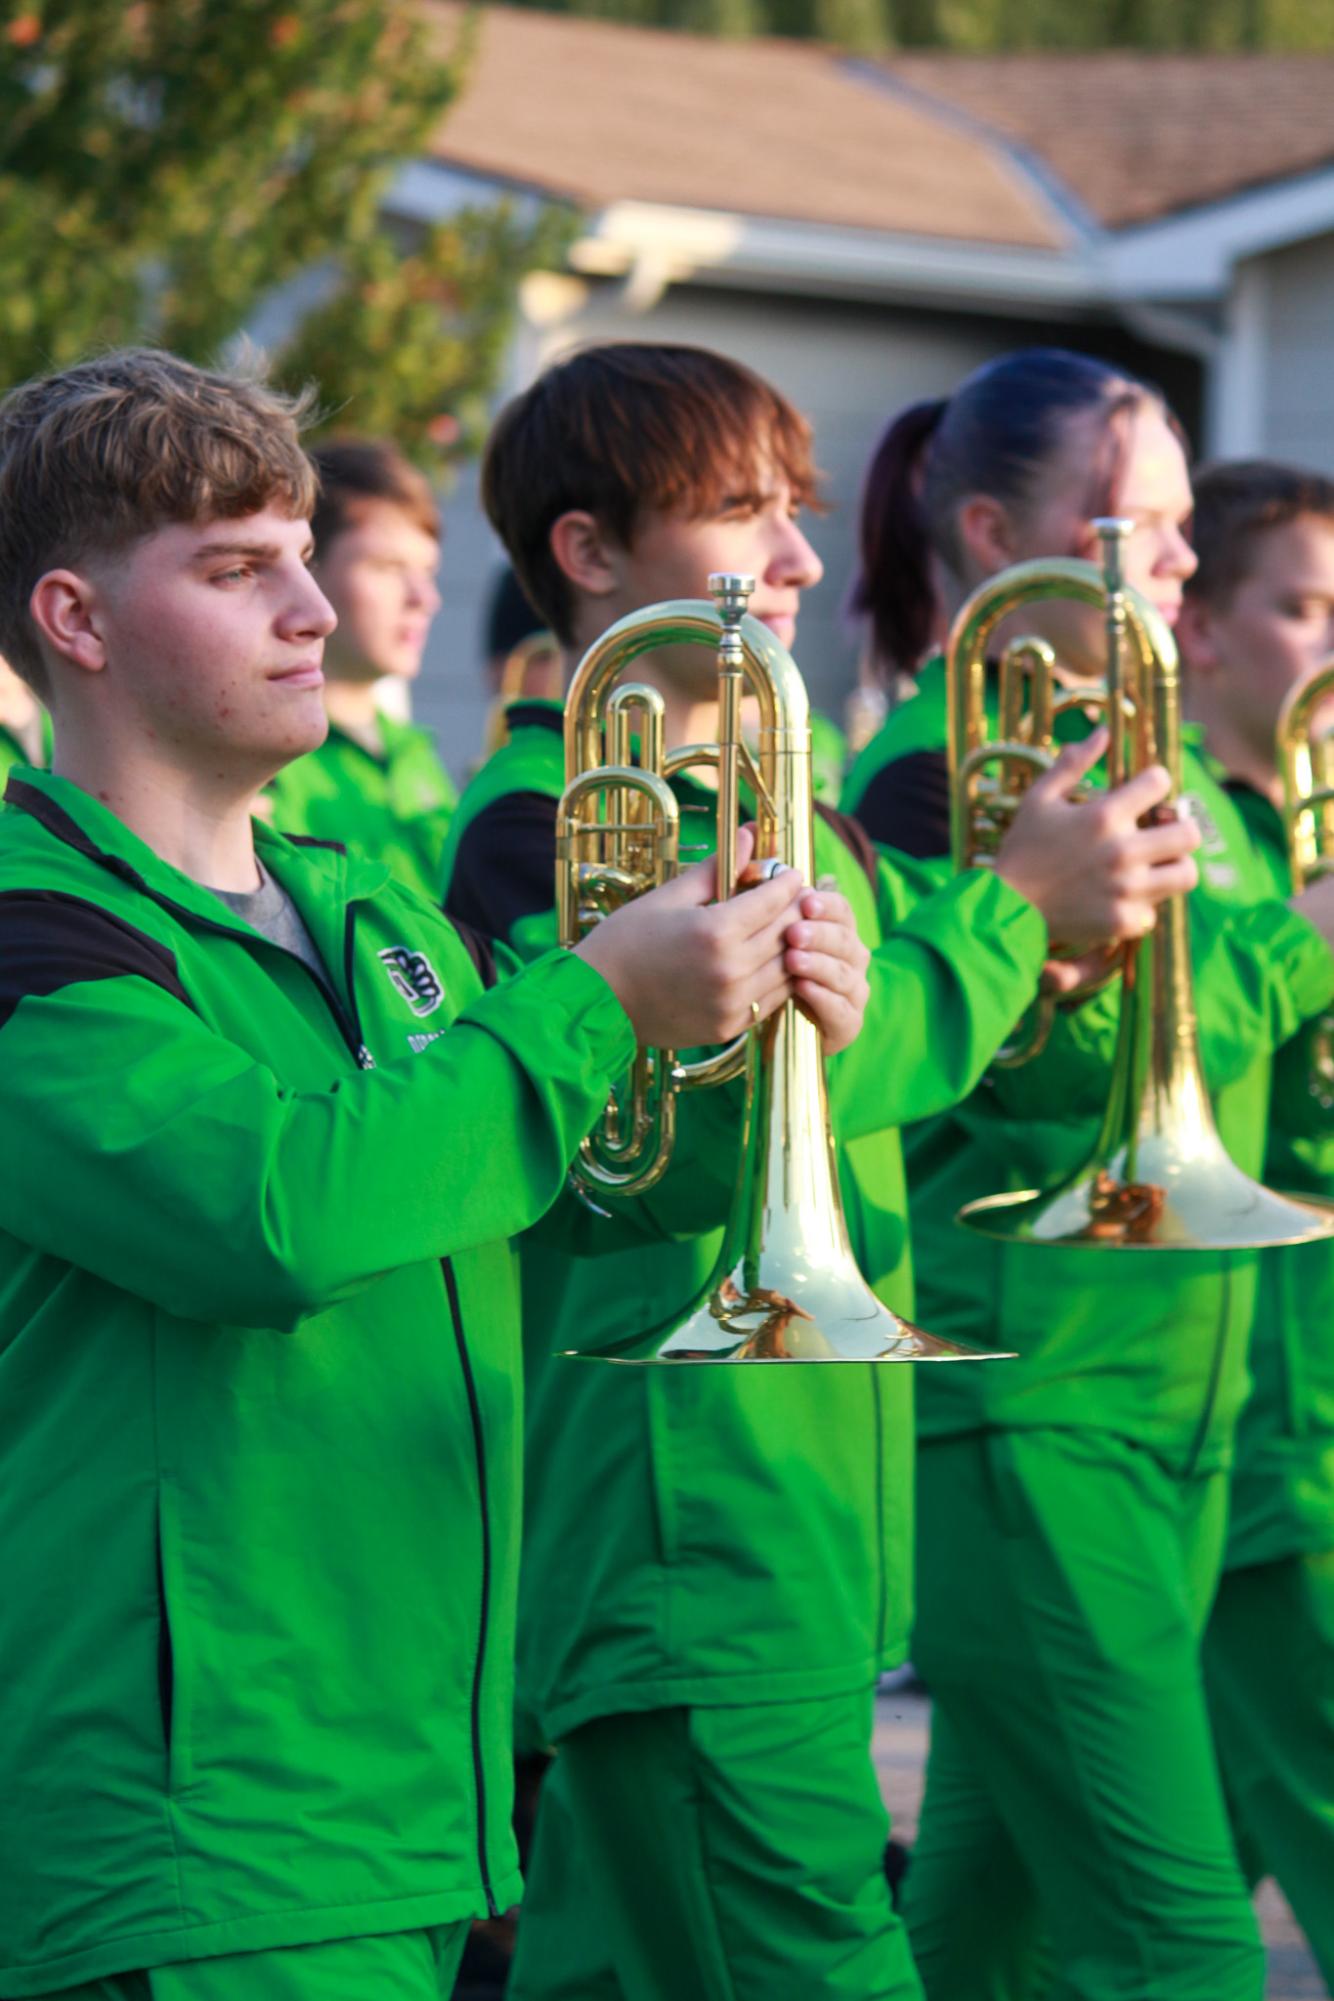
x,y
166,165
993,24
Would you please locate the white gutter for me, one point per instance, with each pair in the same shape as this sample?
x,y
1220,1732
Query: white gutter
x,y
656,245
1166,280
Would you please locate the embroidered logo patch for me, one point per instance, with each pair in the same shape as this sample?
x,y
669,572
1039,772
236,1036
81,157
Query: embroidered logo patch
x,y
1211,838
415,977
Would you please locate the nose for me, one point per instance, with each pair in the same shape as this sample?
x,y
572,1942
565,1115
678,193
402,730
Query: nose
x,y
309,614
794,562
1177,559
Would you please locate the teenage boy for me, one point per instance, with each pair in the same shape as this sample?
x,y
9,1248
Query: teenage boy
x,y
1258,621
268,1136
376,783
715,1564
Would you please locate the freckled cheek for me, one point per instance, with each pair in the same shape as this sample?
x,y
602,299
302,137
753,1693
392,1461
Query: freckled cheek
x,y
229,700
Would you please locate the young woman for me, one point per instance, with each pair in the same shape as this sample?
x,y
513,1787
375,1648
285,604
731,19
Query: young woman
x,y
1071,1508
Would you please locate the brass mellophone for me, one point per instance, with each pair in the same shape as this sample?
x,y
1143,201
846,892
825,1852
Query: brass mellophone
x,y
1159,1177
1305,756
786,1286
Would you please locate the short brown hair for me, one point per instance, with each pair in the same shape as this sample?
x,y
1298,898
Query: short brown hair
x,y
95,457
627,428
1236,503
352,470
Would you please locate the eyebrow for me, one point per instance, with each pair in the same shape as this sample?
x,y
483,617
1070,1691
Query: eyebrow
x,y
260,552
749,494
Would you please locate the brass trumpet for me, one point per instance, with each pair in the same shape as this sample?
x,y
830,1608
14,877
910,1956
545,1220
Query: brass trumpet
x,y
786,1286
1159,1177
1306,768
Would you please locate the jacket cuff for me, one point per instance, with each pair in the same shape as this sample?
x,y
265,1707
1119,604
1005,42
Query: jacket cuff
x,y
985,914
579,1008
1291,944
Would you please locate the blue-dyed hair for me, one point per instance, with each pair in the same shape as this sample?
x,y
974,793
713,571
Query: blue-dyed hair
x,y
996,435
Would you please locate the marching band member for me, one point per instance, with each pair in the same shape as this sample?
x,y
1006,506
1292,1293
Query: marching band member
x,y
1258,621
716,1563
268,1136
376,783
1071,1508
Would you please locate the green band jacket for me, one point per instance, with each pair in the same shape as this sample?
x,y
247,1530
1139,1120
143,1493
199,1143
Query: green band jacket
x,y
732,1534
394,807
259,1396
1150,1347
1283,1479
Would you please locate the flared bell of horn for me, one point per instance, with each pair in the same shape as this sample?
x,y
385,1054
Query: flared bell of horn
x,y
786,1287
1160,1178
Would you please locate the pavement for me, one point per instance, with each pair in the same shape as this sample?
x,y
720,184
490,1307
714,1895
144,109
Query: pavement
x,y
902,1727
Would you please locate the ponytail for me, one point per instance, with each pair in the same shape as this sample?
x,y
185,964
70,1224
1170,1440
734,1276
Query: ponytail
x,y
996,435
893,586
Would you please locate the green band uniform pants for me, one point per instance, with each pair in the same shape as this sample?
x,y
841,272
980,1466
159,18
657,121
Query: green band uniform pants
x,y
1064,1579
714,1854
1269,1673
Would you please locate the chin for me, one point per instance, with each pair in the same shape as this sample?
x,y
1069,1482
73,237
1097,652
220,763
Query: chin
x,y
304,733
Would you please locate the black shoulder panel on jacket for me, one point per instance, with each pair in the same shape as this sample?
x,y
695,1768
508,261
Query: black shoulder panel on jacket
x,y
854,836
313,841
505,865
907,805
49,941
479,949
535,716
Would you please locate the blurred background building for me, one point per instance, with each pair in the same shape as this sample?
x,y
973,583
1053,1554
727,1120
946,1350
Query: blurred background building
x,y
865,230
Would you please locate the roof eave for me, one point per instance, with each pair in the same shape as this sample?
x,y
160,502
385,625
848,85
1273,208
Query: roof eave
x,y
1190,256
671,245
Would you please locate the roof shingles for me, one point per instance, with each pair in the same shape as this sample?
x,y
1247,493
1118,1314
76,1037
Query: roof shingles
x,y
1137,137
917,145
599,112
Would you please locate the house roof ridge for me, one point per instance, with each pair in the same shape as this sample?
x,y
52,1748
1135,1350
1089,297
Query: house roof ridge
x,y
1050,186
598,110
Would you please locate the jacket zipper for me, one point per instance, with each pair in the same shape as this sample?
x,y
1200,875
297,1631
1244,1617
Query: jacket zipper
x,y
347,1023
484,1613
355,1041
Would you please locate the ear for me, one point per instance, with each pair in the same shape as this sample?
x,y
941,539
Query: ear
x,y
65,609
985,535
1195,636
584,553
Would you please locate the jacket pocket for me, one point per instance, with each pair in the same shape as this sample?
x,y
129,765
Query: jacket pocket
x,y
166,1667
170,1685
